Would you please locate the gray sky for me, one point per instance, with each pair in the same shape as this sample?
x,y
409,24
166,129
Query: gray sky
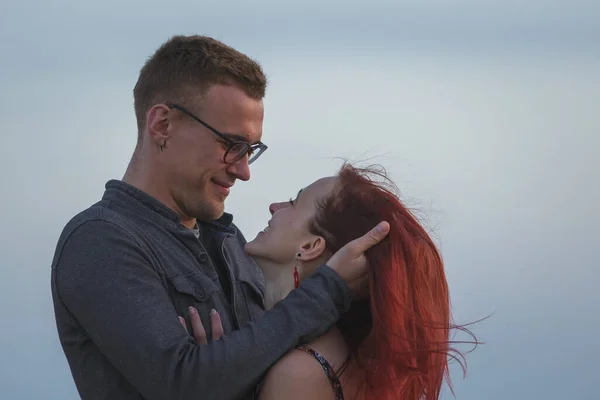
x,y
483,112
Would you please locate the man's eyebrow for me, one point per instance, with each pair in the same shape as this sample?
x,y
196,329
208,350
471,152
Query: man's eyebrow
x,y
239,137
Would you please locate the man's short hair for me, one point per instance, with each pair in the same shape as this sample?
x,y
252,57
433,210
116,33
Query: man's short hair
x,y
185,67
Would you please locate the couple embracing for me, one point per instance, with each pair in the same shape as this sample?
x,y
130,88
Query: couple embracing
x,y
158,295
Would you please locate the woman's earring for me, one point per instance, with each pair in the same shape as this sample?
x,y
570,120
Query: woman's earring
x,y
163,145
296,278
296,275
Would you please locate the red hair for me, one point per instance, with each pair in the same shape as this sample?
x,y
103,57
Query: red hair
x,y
398,337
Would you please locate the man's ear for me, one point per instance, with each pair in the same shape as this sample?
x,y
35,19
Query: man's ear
x,y
157,123
312,248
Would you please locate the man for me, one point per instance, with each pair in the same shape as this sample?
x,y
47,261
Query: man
x,y
159,243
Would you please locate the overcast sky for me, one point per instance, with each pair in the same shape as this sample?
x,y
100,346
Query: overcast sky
x,y
485,113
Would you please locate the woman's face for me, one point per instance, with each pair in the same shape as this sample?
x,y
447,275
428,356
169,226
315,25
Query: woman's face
x,y
287,233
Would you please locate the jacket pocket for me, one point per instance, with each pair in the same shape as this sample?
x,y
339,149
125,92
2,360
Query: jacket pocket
x,y
197,285
199,291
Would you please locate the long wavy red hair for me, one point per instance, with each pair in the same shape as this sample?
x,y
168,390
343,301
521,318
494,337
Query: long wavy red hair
x,y
398,337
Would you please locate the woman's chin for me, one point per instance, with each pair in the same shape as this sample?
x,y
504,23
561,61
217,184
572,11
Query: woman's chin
x,y
251,247
248,248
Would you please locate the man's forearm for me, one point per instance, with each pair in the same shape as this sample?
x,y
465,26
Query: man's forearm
x,y
106,283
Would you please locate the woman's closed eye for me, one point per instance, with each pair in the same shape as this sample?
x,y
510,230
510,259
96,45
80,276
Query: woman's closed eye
x,y
294,201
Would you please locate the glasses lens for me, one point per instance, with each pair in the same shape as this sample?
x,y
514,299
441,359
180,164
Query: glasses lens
x,y
254,153
236,152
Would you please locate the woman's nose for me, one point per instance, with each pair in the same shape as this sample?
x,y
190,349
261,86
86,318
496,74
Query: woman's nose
x,y
273,208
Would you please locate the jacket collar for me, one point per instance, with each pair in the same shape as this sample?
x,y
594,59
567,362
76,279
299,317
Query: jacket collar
x,y
138,201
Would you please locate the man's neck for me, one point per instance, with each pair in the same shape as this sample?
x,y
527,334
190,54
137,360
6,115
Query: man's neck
x,y
150,184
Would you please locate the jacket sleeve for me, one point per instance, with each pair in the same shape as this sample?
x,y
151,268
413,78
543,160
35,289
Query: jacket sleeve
x,y
105,281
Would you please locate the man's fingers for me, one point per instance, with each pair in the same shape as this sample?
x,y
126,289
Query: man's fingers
x,y
371,238
216,325
197,327
350,261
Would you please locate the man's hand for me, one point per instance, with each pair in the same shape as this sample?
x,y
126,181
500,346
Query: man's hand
x,y
350,262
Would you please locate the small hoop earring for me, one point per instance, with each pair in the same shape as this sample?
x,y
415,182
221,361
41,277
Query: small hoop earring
x,y
163,145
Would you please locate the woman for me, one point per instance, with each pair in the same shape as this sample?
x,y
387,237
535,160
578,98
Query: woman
x,y
393,345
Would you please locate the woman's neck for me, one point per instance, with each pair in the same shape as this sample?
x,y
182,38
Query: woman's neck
x,y
279,281
279,278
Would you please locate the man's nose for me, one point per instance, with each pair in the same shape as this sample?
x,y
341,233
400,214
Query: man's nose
x,y
273,208
240,169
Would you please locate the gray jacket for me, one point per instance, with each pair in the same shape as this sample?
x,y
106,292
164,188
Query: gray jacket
x,y
125,269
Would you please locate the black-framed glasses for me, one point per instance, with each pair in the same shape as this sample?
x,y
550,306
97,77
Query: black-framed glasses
x,y
237,148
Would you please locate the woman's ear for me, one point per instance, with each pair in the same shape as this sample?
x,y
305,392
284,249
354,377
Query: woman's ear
x,y
312,249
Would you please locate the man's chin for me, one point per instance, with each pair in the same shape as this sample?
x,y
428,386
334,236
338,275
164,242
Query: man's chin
x,y
211,213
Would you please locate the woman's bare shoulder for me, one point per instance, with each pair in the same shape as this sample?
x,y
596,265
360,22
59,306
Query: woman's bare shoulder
x,y
297,375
